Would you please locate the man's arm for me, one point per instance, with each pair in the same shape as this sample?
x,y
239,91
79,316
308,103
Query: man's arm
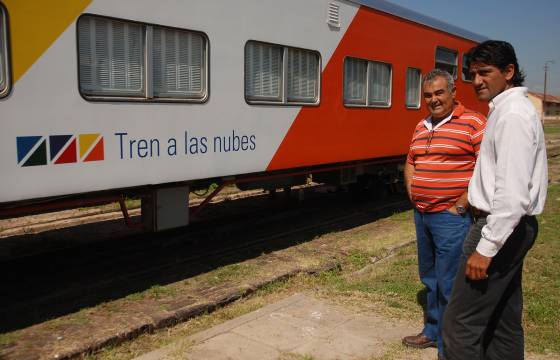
x,y
408,173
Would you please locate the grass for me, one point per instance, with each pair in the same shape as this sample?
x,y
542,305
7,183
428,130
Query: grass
x,y
551,129
76,319
8,338
392,282
159,292
542,280
229,273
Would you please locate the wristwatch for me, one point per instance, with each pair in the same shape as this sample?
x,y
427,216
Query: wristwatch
x,y
461,210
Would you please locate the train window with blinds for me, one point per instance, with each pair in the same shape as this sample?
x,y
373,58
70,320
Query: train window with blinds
x,y
276,74
446,59
4,70
124,60
412,95
111,56
303,76
367,83
355,75
178,64
466,73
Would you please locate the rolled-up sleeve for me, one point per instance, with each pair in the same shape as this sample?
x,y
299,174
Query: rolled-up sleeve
x,y
515,149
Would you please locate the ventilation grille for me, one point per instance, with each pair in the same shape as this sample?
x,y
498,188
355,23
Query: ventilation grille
x,y
333,16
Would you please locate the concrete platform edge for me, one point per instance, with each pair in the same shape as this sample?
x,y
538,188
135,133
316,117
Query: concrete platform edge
x,y
185,313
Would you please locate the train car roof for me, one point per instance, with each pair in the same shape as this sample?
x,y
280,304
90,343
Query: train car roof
x,y
414,16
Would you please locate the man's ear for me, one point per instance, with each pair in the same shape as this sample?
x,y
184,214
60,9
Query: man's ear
x,y
508,72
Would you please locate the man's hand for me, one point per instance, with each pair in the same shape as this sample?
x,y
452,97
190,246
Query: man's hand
x,y
477,265
453,210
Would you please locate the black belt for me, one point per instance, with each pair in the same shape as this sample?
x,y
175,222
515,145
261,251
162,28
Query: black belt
x,y
477,213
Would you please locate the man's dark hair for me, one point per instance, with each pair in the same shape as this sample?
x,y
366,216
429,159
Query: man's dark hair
x,y
499,54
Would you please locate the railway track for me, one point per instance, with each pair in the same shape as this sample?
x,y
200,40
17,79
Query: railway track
x,y
38,223
51,284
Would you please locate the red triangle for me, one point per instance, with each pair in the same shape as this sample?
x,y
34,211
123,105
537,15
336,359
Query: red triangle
x,y
69,155
97,153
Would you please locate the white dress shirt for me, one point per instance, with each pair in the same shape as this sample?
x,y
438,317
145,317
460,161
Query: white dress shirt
x,y
510,177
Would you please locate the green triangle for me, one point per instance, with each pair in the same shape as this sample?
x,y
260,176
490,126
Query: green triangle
x,y
39,157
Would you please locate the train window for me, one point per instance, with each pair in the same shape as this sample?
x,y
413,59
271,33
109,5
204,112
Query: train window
x,y
281,75
355,75
4,72
446,59
466,73
379,83
132,61
303,76
111,57
367,83
178,64
413,88
263,72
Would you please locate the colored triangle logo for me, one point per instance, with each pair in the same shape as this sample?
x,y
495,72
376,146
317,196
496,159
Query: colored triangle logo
x,y
86,141
97,153
69,155
56,143
39,157
24,145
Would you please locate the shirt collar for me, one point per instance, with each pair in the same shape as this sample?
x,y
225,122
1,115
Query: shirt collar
x,y
457,111
504,95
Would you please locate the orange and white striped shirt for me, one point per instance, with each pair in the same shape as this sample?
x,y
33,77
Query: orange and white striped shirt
x,y
443,157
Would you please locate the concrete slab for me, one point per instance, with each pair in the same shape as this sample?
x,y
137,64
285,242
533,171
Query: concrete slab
x,y
343,345
298,325
229,346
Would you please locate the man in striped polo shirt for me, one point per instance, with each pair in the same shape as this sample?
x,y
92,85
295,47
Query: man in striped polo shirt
x,y
440,164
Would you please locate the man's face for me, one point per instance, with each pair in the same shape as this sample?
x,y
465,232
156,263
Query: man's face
x,y
439,100
489,81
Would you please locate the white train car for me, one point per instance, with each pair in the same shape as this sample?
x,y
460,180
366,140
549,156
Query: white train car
x,y
105,97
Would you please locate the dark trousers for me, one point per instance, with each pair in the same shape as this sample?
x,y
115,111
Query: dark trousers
x,y
483,318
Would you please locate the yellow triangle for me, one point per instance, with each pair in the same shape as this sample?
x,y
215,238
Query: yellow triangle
x,y
86,141
35,25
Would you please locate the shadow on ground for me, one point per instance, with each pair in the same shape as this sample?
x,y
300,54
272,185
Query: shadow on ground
x,y
58,272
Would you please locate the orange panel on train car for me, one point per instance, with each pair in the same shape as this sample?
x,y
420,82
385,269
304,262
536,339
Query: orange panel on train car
x,y
333,133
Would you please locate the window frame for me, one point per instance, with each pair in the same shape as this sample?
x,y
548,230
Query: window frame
x,y
5,52
148,72
463,62
283,77
367,104
456,52
417,107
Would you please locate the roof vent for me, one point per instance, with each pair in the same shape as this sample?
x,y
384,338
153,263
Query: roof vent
x,y
333,16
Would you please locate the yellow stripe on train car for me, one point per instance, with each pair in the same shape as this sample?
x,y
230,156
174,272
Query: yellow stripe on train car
x,y
34,27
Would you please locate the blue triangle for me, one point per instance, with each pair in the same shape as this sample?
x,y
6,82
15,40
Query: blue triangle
x,y
57,142
24,145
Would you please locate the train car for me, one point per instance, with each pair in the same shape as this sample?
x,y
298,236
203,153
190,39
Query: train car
x,y
153,98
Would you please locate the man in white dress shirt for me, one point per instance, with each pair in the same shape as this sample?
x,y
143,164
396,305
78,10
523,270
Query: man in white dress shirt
x,y
507,190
